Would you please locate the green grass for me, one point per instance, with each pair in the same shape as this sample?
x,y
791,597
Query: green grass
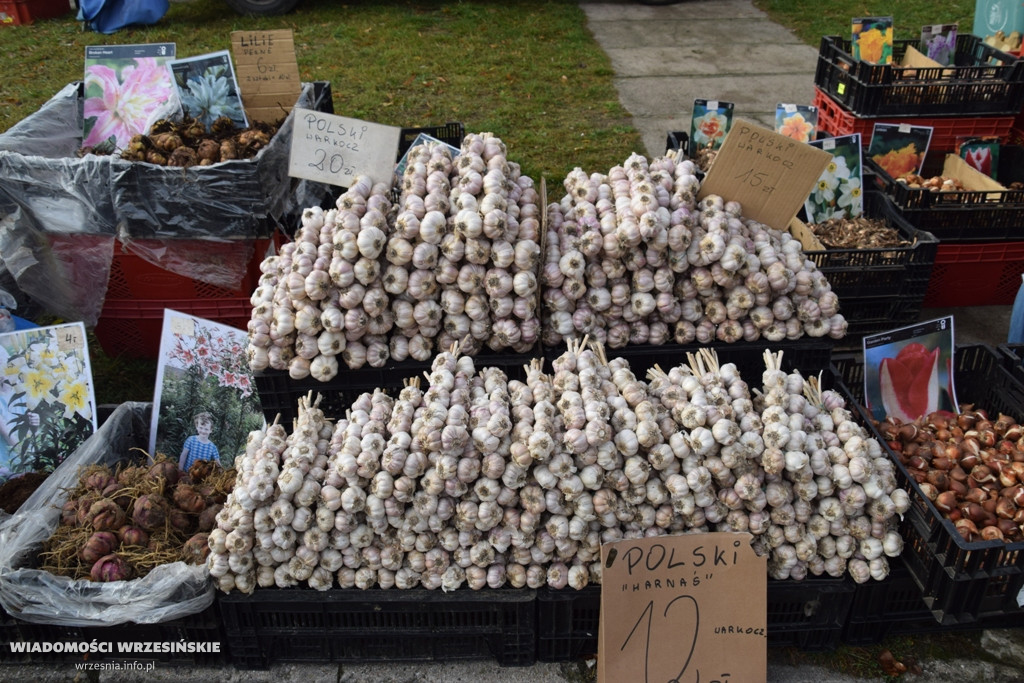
x,y
812,19
529,72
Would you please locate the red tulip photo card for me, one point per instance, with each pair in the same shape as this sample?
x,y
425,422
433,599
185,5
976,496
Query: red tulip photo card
x,y
907,371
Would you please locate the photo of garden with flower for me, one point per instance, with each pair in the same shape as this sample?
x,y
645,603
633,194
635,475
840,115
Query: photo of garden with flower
x,y
203,368
839,192
47,403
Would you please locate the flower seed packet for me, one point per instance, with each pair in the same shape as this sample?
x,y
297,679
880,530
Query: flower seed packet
x,y
907,371
899,148
709,125
127,89
203,372
208,89
840,191
938,42
796,121
47,399
872,39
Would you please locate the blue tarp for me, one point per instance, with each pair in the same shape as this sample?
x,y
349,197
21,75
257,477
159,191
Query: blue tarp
x,y
108,16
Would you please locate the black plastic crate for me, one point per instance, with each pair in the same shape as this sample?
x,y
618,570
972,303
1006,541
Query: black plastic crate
x,y
279,394
1013,359
807,614
375,625
961,215
567,623
870,315
809,355
677,140
982,80
892,272
895,606
205,630
452,133
880,608
960,582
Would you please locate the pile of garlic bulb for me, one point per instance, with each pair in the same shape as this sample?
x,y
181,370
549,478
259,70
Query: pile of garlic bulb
x,y
394,273
480,480
631,257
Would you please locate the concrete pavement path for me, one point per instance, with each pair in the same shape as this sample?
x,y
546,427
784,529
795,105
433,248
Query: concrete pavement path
x,y
664,57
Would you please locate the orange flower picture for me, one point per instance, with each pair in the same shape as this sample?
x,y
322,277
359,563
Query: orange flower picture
x,y
710,123
799,122
899,149
900,162
873,39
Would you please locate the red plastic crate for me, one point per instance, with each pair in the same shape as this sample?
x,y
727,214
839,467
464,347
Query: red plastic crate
x,y
21,12
983,274
133,277
132,328
834,119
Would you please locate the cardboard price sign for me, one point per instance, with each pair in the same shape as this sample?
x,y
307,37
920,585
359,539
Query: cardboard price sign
x,y
690,608
267,72
769,174
335,149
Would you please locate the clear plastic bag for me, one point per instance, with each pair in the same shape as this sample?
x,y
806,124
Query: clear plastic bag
x,y
168,592
60,215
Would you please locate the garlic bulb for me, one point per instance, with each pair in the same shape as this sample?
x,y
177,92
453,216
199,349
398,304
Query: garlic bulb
x,y
681,268
475,479
373,279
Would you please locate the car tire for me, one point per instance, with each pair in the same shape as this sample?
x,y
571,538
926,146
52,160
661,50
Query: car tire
x,y
262,7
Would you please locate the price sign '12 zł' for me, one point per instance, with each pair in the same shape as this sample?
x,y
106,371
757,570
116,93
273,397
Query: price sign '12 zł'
x,y
335,149
687,609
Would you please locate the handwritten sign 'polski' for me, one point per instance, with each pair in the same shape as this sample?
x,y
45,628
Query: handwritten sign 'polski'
x,y
335,149
689,608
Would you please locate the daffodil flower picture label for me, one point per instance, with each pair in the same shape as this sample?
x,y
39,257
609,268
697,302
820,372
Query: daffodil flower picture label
x,y
711,121
839,192
899,148
796,121
872,39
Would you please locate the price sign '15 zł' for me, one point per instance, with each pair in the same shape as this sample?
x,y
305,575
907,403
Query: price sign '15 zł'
x,y
335,149
685,609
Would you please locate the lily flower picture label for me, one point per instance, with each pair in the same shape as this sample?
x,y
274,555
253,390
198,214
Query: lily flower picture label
x,y
910,382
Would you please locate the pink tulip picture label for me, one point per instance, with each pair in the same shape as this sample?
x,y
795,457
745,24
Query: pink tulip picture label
x,y
907,371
